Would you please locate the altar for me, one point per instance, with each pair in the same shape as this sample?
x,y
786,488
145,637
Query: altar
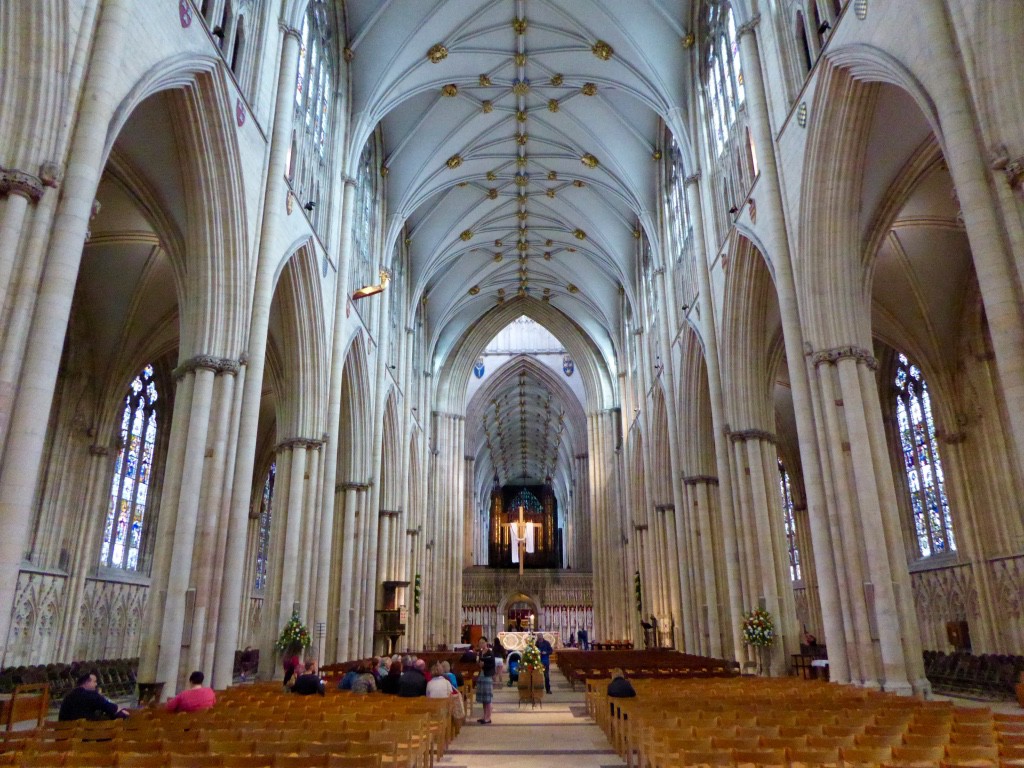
x,y
516,641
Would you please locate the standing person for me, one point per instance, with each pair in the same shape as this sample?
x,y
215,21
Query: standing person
x,y
194,698
499,661
87,703
292,666
485,683
544,646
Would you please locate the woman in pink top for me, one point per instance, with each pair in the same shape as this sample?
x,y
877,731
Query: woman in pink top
x,y
193,698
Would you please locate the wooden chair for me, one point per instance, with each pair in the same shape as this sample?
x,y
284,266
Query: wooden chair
x,y
759,757
709,757
30,701
916,757
353,761
971,756
140,760
194,761
857,756
247,761
90,759
799,758
300,761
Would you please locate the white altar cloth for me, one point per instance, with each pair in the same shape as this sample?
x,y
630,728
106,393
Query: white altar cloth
x,y
516,641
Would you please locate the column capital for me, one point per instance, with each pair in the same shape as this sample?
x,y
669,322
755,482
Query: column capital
x,y
290,31
299,442
390,512
752,434
352,486
950,438
665,507
693,178
639,526
835,354
699,479
348,181
15,182
99,450
207,362
749,26
412,531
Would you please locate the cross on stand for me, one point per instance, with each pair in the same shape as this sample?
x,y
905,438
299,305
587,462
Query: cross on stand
x,y
523,535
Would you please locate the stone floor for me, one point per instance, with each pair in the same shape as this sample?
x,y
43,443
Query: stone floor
x,y
555,733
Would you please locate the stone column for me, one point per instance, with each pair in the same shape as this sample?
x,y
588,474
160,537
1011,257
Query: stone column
x,y
772,210
84,551
275,200
345,591
701,492
184,530
709,335
18,189
207,560
1000,271
27,432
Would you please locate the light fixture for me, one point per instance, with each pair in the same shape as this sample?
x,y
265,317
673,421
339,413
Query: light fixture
x,y
372,290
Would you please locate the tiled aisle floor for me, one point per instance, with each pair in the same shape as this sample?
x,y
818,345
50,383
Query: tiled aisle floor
x,y
559,733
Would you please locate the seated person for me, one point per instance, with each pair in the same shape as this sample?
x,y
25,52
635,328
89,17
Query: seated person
x,y
620,687
389,683
413,681
365,682
193,698
86,703
348,678
439,686
309,682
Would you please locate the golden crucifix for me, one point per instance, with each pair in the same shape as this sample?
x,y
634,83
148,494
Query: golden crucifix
x,y
523,534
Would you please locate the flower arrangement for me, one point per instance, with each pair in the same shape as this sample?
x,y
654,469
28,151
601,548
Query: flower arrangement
x,y
531,656
758,628
638,593
295,635
416,592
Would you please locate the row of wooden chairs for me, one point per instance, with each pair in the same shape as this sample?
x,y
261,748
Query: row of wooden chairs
x,y
799,723
255,726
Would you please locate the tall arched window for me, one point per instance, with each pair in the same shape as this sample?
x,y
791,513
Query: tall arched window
x,y
314,87
790,523
929,505
263,541
363,270
133,470
723,78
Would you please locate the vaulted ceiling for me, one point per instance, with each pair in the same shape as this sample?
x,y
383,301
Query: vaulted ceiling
x,y
520,143
521,154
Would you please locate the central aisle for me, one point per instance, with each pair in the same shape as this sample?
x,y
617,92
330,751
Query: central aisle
x,y
559,732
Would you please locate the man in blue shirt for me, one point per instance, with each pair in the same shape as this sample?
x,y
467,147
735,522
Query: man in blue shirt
x,y
544,646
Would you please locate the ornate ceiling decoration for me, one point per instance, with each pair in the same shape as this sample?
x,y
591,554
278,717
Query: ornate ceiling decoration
x,y
520,139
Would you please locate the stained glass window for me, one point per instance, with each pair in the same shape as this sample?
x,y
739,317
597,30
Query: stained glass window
x,y
313,95
933,525
723,75
365,215
133,471
789,522
263,542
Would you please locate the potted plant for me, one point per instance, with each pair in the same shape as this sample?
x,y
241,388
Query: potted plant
x,y
531,674
759,633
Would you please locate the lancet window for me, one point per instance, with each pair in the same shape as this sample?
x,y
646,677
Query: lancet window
x,y
314,89
725,116
679,225
133,472
789,522
364,271
263,538
933,524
